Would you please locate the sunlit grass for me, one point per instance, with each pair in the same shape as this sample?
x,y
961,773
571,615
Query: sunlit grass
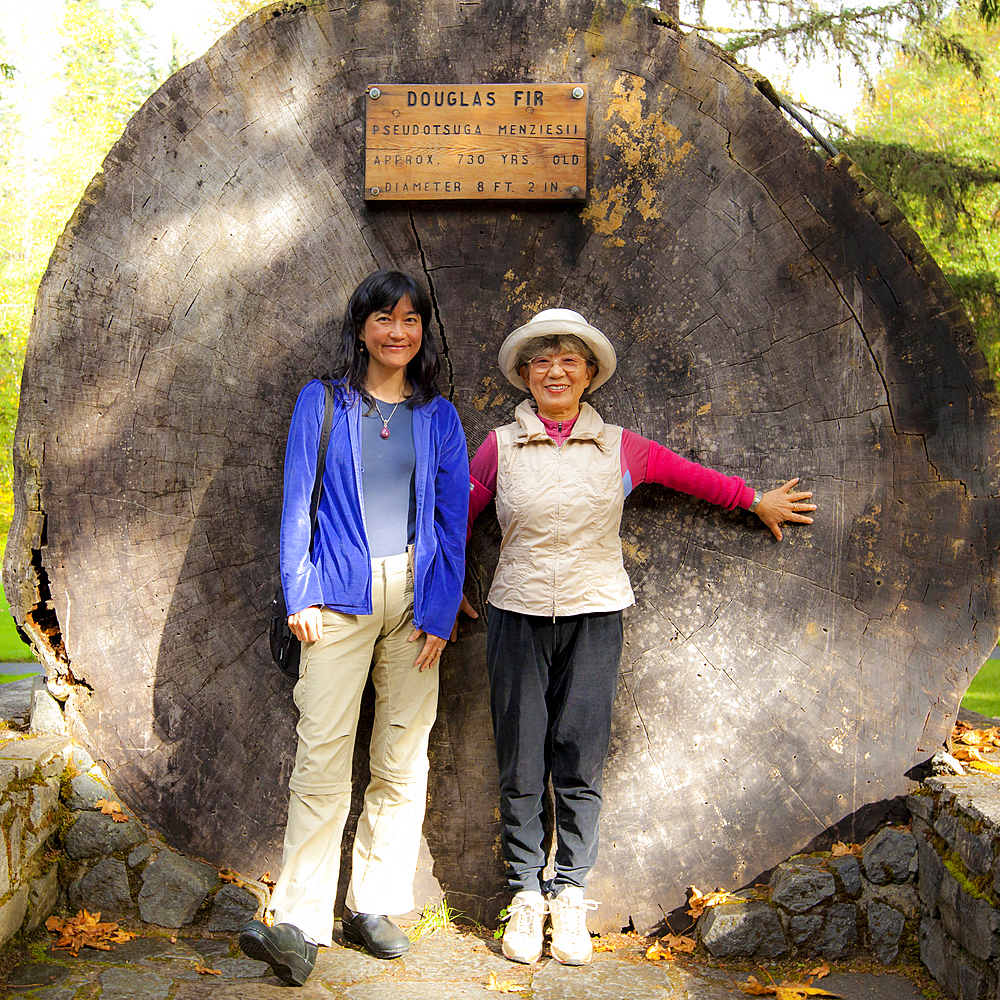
x,y
983,695
435,916
13,649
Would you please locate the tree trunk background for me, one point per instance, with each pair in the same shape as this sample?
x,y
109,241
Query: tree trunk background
x,y
774,316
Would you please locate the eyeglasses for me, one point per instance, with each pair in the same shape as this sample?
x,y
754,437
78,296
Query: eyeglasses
x,y
570,364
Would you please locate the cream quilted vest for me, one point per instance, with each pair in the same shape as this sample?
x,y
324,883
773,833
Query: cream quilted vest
x,y
560,511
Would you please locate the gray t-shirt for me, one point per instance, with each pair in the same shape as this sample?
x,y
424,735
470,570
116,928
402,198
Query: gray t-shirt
x,y
387,480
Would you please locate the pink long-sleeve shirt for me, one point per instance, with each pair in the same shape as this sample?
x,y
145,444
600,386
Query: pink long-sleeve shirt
x,y
642,461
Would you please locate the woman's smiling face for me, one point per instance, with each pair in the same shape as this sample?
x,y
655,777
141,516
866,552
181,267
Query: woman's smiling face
x,y
393,336
557,387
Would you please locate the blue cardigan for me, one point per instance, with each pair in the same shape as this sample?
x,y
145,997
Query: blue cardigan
x,y
338,574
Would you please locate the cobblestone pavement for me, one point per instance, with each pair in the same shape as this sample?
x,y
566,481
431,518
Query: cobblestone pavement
x,y
448,965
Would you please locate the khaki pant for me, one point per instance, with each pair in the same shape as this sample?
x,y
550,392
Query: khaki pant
x,y
332,676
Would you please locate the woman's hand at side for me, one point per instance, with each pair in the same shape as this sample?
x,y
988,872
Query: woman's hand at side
x,y
307,624
433,645
780,505
430,655
469,610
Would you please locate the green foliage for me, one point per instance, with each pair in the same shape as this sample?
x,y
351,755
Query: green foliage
x,y
858,34
940,184
100,76
929,135
101,72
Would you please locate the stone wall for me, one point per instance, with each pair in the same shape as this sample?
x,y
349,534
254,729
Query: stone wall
x,y
30,770
818,905
62,851
935,885
956,820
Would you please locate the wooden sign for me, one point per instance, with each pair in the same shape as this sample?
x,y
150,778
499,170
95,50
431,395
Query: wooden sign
x,y
476,141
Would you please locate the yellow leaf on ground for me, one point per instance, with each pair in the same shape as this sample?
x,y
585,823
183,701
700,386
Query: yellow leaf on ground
x,y
615,940
982,765
85,930
202,971
657,951
755,989
976,737
228,875
504,986
698,901
799,992
820,971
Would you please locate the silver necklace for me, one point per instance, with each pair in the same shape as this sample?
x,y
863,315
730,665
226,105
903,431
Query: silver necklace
x,y
384,433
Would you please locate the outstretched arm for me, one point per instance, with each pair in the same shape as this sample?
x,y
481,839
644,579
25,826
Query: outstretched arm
x,y
781,504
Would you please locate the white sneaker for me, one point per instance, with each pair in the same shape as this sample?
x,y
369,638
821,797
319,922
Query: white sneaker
x,y
522,938
571,943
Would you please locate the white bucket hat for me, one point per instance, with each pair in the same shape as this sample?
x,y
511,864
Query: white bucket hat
x,y
553,322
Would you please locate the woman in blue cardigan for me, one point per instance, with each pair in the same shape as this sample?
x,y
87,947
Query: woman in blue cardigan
x,y
377,587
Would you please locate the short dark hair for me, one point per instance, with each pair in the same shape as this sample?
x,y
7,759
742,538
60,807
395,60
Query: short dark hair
x,y
382,290
553,343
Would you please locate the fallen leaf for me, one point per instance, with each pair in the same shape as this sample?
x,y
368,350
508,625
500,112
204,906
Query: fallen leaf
x,y
112,809
840,849
698,902
798,991
820,971
786,990
228,875
676,942
85,930
977,737
268,918
504,986
755,989
266,879
982,765
202,971
657,951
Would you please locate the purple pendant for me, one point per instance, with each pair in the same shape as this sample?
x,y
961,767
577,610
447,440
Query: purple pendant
x,y
384,433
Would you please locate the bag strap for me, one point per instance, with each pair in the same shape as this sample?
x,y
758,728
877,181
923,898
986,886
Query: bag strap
x,y
324,443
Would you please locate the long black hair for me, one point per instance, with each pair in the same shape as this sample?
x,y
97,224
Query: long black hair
x,y
382,290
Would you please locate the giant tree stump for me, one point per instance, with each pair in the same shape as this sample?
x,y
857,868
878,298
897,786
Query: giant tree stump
x,y
774,316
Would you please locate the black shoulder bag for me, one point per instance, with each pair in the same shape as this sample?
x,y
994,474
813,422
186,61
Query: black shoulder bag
x,y
285,648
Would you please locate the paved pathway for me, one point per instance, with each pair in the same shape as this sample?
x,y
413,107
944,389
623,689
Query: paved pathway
x,y
448,965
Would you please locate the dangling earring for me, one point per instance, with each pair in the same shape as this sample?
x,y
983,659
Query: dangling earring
x,y
361,347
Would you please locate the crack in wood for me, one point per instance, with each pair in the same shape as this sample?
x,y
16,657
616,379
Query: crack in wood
x,y
437,310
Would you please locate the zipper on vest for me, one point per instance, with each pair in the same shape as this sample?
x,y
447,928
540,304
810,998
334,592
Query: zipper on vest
x,y
555,555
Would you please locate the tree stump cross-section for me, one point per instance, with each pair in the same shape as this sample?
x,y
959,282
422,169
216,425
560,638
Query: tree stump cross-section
x,y
773,315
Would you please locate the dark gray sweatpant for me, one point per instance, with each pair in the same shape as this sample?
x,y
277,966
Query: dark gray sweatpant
x,y
552,691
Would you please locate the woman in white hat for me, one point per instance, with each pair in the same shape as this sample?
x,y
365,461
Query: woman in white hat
x,y
554,623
